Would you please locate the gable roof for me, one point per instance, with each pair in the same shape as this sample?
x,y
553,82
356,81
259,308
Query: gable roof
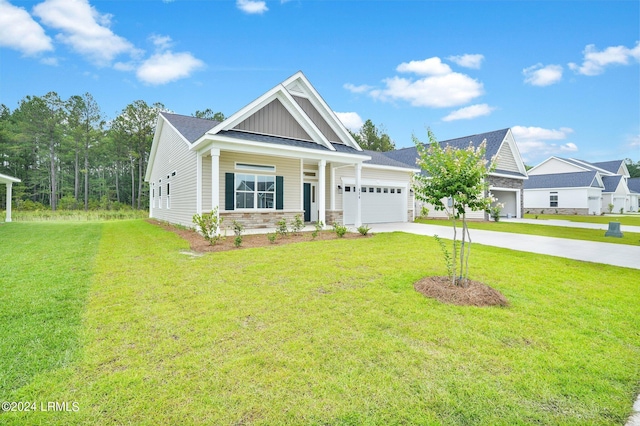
x,y
297,101
191,128
381,159
610,166
563,180
634,185
611,183
494,139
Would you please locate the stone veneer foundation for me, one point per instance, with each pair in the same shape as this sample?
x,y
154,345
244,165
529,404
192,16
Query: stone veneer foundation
x,y
253,220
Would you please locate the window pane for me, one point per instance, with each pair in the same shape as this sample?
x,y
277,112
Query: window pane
x,y
266,183
371,189
245,182
244,200
265,200
399,190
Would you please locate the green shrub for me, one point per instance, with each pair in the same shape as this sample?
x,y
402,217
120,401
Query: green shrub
x,y
272,237
238,229
318,227
297,224
363,230
340,230
424,211
610,206
237,241
209,225
281,227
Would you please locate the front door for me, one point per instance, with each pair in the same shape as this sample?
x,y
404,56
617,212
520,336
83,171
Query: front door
x,y
310,202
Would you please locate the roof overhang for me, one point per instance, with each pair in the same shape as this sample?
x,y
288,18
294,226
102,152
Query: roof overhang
x,y
8,179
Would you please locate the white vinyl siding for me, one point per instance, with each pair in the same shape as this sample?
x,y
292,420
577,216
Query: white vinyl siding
x,y
553,166
173,155
506,160
317,119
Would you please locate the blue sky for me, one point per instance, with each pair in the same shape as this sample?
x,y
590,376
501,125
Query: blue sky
x,y
564,76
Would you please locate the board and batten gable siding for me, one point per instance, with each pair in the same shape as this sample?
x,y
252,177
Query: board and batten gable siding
x,y
173,155
317,119
554,166
403,178
274,119
506,160
288,168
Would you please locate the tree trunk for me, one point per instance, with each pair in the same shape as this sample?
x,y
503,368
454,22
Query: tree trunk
x,y
86,177
54,192
133,185
76,185
140,167
462,251
117,181
455,252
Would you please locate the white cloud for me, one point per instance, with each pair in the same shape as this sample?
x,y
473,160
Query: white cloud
x,y
468,60
251,6
19,31
595,62
430,66
539,75
439,91
469,112
161,42
633,141
357,89
166,67
84,29
538,142
351,120
50,61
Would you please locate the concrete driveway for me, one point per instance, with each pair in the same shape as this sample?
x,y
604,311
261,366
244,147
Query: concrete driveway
x,y
611,254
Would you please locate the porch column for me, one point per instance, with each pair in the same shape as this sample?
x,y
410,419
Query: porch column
x,y
8,211
301,184
358,221
322,165
332,188
199,183
215,178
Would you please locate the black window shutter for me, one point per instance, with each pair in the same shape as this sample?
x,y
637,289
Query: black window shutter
x,y
279,193
229,188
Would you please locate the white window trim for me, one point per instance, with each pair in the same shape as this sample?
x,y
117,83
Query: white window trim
x,y
255,193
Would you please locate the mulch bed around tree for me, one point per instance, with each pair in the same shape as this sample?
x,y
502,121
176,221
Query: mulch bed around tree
x,y
474,294
200,245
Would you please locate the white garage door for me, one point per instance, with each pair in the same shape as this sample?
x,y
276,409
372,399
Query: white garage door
x,y
379,204
508,198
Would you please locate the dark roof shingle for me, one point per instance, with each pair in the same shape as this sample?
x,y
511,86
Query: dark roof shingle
x,y
191,128
561,180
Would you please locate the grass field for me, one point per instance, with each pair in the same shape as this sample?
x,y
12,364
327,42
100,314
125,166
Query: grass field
x,y
627,219
630,238
74,215
313,333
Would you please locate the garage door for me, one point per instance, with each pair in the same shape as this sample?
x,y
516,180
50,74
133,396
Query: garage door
x,y
379,204
508,198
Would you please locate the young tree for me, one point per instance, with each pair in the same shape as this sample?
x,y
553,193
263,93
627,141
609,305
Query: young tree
x,y
208,114
454,180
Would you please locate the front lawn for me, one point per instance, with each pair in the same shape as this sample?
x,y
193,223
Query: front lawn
x,y
330,332
630,238
627,219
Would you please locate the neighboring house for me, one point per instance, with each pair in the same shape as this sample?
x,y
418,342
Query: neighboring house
x,y
286,153
571,186
8,181
634,187
506,182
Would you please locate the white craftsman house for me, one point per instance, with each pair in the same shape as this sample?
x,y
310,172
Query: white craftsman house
x,y
286,153
571,186
506,182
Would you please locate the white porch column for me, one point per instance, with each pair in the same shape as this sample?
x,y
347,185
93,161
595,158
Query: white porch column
x,y
358,221
215,178
332,188
301,184
199,183
322,165
8,211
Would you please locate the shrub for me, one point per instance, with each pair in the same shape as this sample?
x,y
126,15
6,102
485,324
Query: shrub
x,y
272,238
238,229
319,225
621,210
363,230
494,211
610,206
297,224
424,211
281,227
340,230
209,225
447,257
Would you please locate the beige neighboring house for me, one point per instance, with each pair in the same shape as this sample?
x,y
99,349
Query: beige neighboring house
x,y
8,181
284,154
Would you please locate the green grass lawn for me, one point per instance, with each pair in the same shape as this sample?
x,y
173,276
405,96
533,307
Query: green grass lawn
x,y
324,332
628,219
630,238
